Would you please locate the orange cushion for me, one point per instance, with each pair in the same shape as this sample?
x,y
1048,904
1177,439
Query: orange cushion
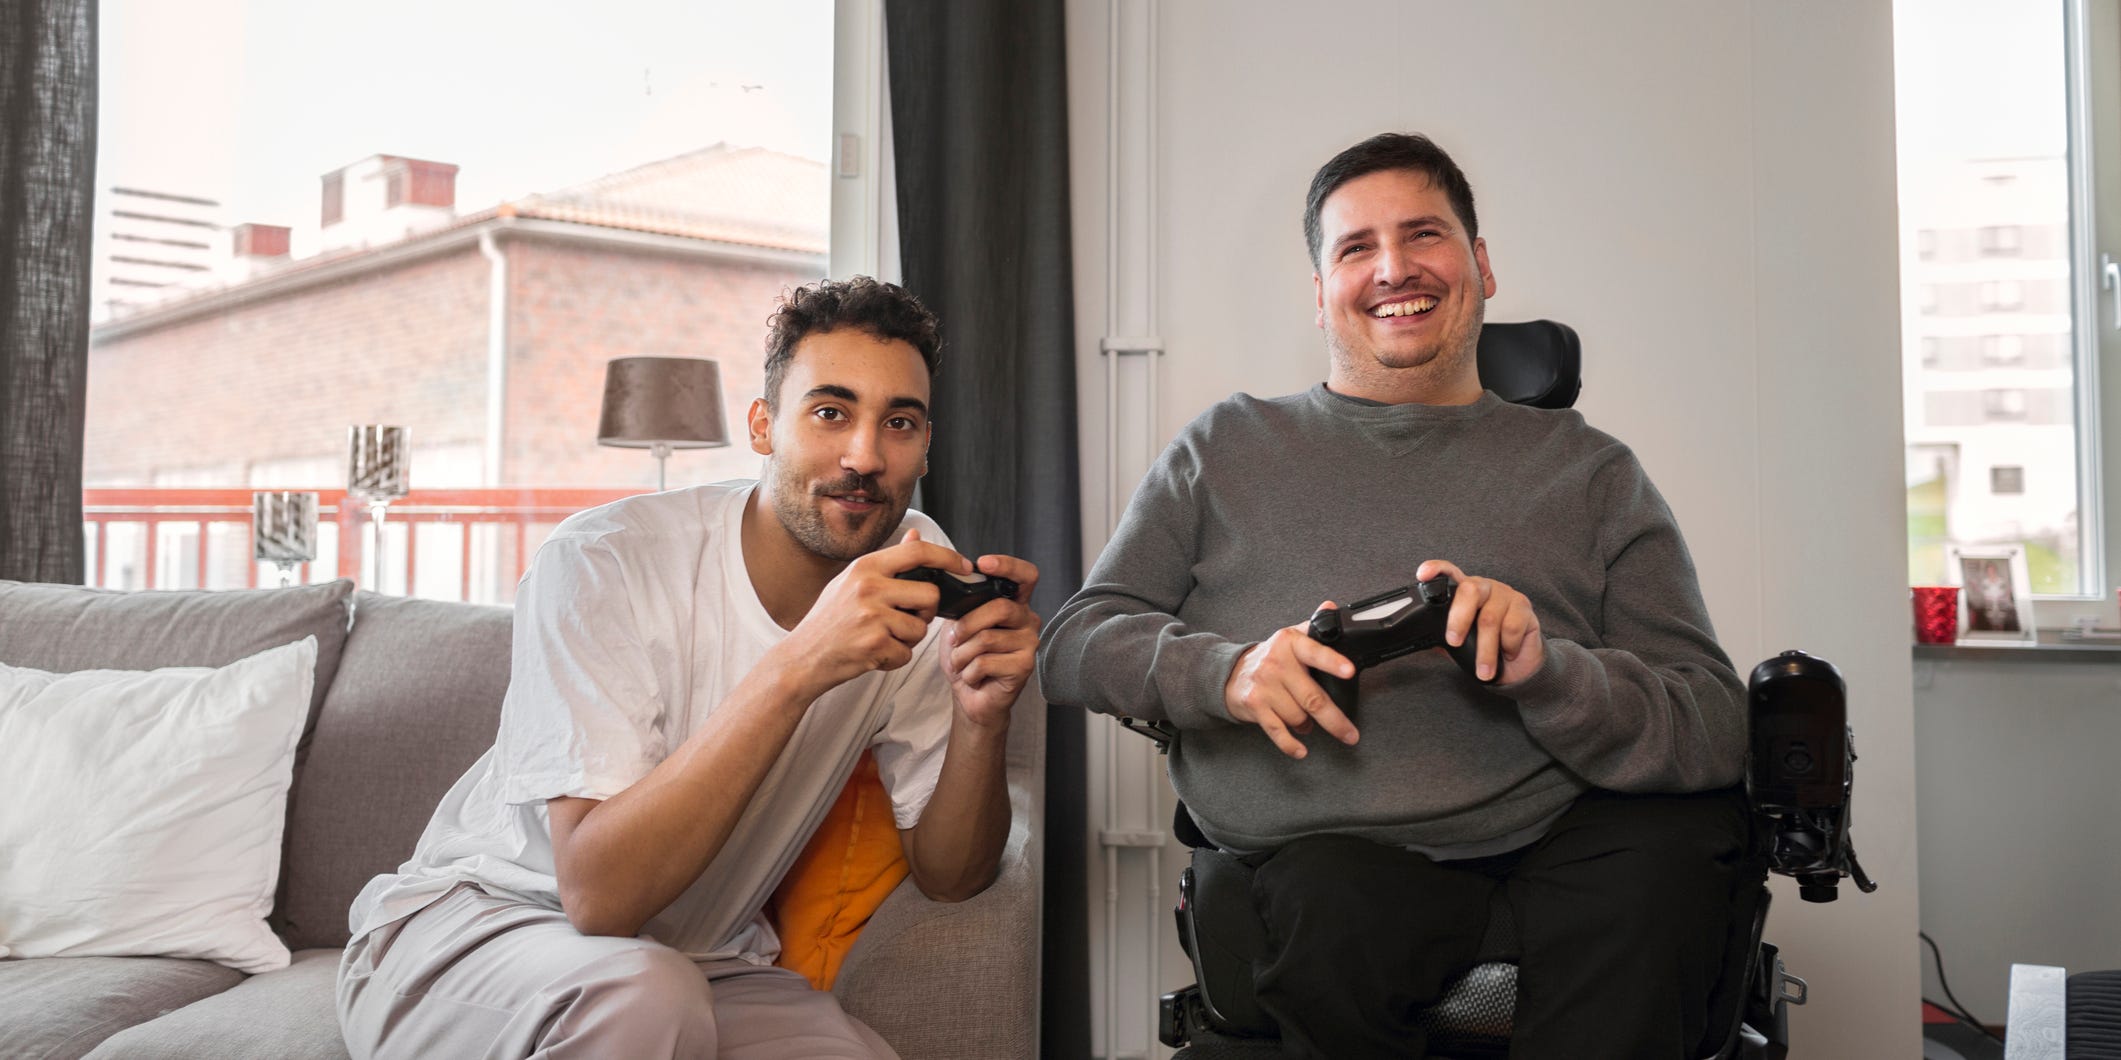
x,y
852,864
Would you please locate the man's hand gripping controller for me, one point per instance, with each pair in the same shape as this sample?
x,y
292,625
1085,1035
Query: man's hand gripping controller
x,y
962,593
1388,626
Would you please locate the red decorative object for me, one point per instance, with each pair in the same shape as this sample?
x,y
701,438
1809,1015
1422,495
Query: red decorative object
x,y
1936,614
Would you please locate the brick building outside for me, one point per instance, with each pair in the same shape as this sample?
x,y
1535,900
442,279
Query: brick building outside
x,y
484,335
253,383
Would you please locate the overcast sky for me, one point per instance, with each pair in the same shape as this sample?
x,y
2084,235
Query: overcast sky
x,y
1979,79
251,101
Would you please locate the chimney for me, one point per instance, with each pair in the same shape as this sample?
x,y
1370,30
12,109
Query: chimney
x,y
255,249
416,182
260,241
386,198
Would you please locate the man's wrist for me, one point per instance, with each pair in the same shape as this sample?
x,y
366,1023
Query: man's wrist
x,y
1232,709
788,684
1546,679
995,727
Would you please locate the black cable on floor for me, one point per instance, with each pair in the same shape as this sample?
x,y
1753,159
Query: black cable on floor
x,y
1955,1008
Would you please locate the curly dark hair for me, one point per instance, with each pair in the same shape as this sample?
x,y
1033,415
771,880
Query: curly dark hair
x,y
885,310
1382,152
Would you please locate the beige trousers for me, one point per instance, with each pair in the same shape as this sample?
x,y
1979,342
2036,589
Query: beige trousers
x,y
477,976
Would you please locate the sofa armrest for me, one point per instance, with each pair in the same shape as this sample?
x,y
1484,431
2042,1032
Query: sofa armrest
x,y
940,980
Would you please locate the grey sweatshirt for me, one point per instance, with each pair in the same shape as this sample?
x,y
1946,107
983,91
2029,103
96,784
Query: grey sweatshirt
x,y
1260,509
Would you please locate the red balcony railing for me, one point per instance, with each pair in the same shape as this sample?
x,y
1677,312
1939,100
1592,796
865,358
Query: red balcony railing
x,y
474,543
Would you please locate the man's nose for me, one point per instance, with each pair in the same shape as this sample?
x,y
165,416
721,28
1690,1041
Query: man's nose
x,y
1395,266
864,454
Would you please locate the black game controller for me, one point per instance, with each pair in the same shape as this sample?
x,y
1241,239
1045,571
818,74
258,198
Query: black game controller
x,y
961,592
1387,626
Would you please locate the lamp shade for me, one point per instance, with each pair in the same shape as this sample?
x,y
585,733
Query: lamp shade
x,y
662,401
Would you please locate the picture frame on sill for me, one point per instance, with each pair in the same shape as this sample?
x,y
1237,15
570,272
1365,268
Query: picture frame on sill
x,y
1995,594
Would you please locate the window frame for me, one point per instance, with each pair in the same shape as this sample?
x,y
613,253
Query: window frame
x,y
331,208
2092,68
864,231
1992,244
2091,71
2003,351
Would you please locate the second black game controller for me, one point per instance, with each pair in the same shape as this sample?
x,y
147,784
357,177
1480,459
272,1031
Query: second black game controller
x,y
962,593
1387,626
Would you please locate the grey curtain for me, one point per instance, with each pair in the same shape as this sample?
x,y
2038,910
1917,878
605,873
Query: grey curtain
x,y
47,195
979,112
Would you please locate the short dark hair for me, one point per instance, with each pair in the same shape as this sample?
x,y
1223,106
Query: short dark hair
x,y
1377,154
885,310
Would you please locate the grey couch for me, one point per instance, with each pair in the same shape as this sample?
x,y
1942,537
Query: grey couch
x,y
405,701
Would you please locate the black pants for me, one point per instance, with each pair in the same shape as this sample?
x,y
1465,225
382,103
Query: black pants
x,y
1625,910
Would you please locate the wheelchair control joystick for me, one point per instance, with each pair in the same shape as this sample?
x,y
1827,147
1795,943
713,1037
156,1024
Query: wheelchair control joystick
x,y
1802,772
1387,626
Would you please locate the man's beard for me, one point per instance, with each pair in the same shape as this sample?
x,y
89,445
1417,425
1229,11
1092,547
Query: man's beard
x,y
801,508
1443,359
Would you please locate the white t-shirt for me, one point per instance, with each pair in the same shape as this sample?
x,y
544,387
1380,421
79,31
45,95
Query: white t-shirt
x,y
635,622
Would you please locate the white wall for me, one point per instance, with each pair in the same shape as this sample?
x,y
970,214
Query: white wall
x,y
1705,191
2020,846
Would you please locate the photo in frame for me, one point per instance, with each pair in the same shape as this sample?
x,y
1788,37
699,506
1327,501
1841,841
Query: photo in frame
x,y
1995,593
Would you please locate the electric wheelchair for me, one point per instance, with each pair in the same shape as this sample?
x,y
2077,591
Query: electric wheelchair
x,y
1799,780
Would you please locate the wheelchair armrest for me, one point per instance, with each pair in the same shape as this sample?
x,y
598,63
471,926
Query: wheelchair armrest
x,y
1155,732
1223,947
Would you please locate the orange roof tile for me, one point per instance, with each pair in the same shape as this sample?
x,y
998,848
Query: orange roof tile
x,y
745,195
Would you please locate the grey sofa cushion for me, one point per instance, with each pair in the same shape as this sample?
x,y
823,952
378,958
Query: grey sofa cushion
x,y
64,628
291,1014
58,1008
416,703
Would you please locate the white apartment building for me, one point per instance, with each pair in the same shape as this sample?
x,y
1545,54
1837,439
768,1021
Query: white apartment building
x,y
149,243
1986,343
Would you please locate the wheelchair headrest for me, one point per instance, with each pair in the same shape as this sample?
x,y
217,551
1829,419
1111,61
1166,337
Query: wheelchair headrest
x,y
1537,363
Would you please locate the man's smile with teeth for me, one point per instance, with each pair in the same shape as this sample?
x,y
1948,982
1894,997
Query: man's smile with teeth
x,y
1404,309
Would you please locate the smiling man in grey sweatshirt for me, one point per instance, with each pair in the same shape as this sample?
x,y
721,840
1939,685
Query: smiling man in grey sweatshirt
x,y
1593,784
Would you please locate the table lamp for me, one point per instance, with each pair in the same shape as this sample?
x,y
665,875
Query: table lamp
x,y
660,404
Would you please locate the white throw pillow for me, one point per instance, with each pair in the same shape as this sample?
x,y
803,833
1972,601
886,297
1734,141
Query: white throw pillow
x,y
141,811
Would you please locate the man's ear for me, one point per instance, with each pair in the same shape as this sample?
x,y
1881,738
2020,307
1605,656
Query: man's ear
x,y
1318,288
760,422
1480,260
927,442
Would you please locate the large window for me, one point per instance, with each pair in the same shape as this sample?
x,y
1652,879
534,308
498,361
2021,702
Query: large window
x,y
2003,318
445,217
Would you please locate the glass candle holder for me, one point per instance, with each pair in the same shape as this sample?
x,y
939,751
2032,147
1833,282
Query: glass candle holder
x,y
376,474
283,530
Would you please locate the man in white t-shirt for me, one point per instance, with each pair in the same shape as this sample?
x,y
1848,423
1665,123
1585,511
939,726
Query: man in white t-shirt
x,y
695,674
